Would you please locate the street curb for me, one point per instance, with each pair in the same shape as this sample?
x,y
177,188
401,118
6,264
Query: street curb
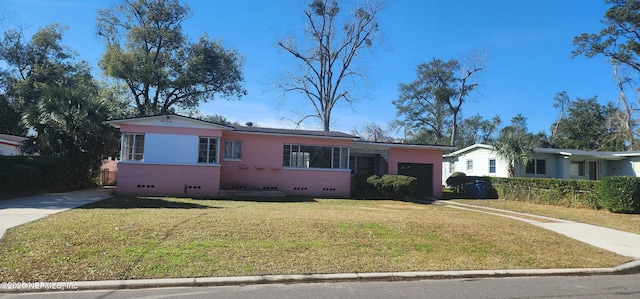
x,y
631,267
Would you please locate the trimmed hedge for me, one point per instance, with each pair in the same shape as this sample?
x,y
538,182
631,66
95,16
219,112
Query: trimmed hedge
x,y
559,192
24,175
385,186
620,194
393,186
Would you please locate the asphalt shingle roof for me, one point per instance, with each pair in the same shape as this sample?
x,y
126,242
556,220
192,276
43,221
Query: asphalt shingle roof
x,y
331,134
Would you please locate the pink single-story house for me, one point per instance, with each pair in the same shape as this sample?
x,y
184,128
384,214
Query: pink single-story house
x,y
173,155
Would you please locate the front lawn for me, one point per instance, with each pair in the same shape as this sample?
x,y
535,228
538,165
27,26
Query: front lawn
x,y
131,238
623,222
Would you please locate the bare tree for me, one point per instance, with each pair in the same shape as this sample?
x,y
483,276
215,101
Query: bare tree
x,y
373,132
465,87
561,101
328,68
5,14
622,121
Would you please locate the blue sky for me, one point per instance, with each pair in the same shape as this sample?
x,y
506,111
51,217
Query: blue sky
x,y
528,45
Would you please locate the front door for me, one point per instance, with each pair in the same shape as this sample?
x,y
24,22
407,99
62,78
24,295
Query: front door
x,y
422,172
593,170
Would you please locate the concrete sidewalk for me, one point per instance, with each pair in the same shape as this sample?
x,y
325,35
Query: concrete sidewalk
x,y
18,211
620,242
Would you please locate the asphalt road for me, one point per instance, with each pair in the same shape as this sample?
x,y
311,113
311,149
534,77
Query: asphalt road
x,y
607,286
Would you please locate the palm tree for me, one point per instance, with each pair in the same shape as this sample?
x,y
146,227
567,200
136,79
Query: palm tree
x,y
69,122
515,146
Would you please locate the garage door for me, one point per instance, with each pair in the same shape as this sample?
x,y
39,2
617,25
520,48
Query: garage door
x,y
424,174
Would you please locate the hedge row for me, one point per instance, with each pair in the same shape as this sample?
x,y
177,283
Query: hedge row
x,y
559,192
385,186
620,194
23,175
617,194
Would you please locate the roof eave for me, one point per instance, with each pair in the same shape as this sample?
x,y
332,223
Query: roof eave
x,y
466,149
382,145
117,122
294,134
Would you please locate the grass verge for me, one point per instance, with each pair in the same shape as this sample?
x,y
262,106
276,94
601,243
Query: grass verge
x,y
132,238
623,222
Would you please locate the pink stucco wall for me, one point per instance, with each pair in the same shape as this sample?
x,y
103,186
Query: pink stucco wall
x,y
109,165
422,156
261,167
168,180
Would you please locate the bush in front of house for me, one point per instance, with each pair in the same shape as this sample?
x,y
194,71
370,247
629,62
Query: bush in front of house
x,y
456,182
360,188
393,186
620,194
25,175
464,186
559,192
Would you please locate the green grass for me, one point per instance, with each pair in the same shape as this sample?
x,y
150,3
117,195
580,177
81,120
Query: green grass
x,y
130,238
624,222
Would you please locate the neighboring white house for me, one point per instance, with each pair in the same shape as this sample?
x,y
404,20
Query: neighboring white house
x,y
11,145
482,160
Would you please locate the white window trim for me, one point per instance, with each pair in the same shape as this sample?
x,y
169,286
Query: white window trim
x,y
200,164
495,165
224,158
340,148
217,157
300,159
133,148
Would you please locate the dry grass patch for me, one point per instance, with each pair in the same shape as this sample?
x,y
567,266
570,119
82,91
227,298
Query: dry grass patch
x,y
624,222
129,238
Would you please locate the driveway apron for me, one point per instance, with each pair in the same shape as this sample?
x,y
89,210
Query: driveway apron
x,y
18,211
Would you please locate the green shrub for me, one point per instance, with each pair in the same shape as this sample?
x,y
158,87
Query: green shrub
x,y
24,175
460,184
620,194
393,186
559,192
360,188
456,182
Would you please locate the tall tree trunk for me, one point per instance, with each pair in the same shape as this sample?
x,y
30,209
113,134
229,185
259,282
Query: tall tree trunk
x,y
454,129
625,116
326,121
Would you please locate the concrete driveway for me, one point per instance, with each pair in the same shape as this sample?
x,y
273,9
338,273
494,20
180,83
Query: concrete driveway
x,y
620,242
18,211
